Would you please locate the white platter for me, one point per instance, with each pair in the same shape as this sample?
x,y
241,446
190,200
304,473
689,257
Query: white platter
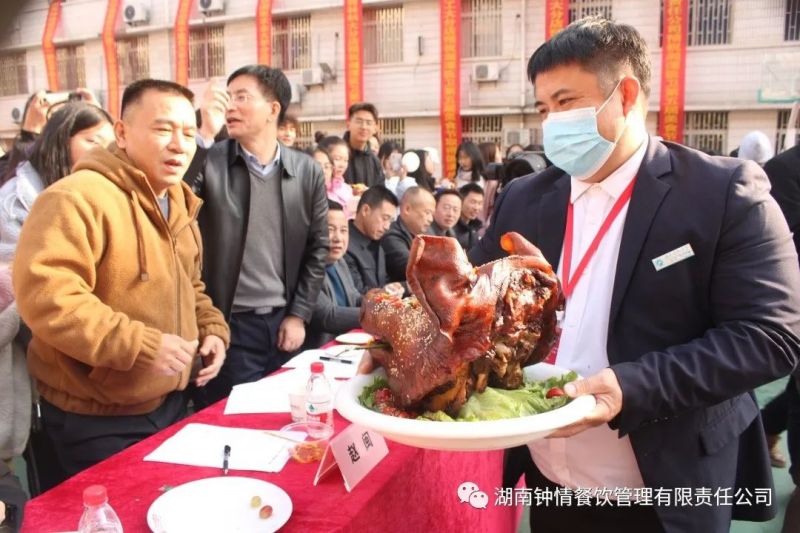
x,y
218,504
357,338
462,436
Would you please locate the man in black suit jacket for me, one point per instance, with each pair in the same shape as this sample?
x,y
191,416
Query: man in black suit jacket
x,y
339,303
687,334
365,257
416,215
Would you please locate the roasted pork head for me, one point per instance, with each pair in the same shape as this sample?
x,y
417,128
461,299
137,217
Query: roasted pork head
x,y
464,328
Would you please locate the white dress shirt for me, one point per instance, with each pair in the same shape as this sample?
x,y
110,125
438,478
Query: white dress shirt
x,y
596,458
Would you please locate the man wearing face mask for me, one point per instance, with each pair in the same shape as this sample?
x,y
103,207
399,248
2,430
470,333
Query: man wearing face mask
x,y
682,295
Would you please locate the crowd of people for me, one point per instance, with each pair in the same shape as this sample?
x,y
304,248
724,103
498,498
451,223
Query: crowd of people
x,y
161,259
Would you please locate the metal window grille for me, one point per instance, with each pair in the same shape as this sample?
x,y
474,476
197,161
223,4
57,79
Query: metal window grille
x,y
783,125
791,25
487,128
585,8
206,52
393,129
71,67
706,130
709,22
383,35
133,58
481,28
305,136
291,43
13,74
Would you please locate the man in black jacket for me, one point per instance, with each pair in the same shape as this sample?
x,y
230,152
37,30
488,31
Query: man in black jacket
x,y
468,225
364,166
264,228
416,215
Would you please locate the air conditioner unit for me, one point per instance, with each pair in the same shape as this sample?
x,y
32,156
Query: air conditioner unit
x,y
16,115
312,76
485,72
517,136
135,13
211,7
297,93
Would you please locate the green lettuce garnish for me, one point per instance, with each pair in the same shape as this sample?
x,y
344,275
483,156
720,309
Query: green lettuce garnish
x,y
366,397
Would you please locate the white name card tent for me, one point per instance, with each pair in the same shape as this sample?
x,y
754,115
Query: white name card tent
x,y
356,451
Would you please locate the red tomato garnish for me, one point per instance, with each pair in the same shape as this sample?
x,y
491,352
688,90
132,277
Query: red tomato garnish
x,y
554,392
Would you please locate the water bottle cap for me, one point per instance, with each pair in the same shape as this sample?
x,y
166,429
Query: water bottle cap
x,y
95,495
317,367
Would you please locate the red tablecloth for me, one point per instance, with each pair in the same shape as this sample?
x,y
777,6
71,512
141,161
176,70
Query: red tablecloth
x,y
410,490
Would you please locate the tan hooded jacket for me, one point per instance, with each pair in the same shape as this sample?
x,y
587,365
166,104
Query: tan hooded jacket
x,y
99,276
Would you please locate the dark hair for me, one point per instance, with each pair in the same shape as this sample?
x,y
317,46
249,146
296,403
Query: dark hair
x,y
134,92
318,136
474,154
330,141
362,106
599,46
470,188
273,84
322,151
375,196
423,178
445,192
508,150
488,152
334,206
289,120
388,148
50,155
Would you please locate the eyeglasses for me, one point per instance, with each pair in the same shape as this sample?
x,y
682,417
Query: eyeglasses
x,y
242,98
363,122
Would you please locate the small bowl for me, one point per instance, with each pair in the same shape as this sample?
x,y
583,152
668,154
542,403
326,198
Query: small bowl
x,y
309,449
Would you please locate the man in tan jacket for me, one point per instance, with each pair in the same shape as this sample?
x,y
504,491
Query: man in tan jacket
x,y
107,277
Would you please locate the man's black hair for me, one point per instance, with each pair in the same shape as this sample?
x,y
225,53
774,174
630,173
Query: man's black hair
x,y
272,81
334,206
445,192
375,196
599,46
133,92
470,188
363,106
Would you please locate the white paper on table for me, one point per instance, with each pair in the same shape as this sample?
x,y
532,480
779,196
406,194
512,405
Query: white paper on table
x,y
271,394
203,444
344,365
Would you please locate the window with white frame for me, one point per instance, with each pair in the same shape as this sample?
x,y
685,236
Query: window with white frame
x,y
13,74
383,35
206,52
481,129
481,28
585,8
706,130
305,136
393,129
133,58
71,66
783,125
709,22
291,43
791,25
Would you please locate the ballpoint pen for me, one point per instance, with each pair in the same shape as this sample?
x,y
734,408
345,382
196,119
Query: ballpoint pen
x,y
335,360
226,455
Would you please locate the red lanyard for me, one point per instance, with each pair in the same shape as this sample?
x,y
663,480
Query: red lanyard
x,y
570,282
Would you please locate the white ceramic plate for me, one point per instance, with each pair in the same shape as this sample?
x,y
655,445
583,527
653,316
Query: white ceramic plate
x,y
462,436
219,504
357,338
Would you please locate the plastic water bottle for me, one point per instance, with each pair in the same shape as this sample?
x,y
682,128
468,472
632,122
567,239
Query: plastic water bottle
x,y
319,401
98,516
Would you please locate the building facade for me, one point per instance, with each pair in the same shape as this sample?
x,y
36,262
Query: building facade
x,y
735,49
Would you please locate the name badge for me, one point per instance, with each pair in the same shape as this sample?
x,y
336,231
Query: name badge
x,y
675,256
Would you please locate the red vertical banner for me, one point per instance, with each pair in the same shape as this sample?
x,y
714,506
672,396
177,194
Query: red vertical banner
x,y
673,70
110,53
264,31
182,41
450,105
556,17
353,56
49,49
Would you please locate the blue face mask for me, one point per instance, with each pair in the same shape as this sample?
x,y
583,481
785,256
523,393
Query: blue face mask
x,y
572,142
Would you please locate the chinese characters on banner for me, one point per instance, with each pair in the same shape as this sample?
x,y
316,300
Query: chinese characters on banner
x,y
182,42
353,58
450,83
673,70
110,53
49,49
556,17
264,31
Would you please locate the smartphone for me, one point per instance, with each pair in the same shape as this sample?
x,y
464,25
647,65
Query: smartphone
x,y
57,97
395,160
